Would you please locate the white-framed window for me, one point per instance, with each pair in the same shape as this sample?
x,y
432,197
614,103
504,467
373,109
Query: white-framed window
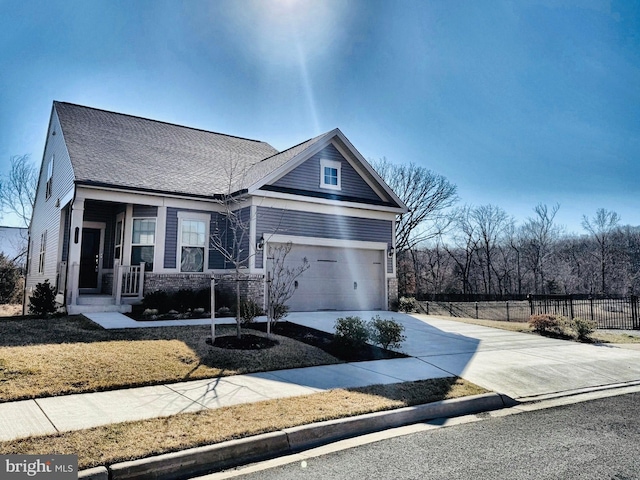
x,y
330,174
193,231
143,241
43,252
49,186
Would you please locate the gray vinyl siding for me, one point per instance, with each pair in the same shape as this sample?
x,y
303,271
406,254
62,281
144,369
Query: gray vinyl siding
x,y
220,226
66,233
145,211
320,225
46,215
171,238
307,177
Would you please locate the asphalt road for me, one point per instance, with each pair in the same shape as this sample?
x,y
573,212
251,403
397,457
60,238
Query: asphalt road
x,y
598,439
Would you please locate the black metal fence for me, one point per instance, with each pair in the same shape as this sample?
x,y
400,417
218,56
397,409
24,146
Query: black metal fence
x,y
508,310
613,313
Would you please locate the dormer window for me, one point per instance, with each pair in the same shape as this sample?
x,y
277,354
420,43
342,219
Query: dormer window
x,y
330,175
49,187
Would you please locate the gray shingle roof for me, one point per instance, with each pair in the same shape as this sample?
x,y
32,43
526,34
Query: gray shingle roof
x,y
263,168
132,152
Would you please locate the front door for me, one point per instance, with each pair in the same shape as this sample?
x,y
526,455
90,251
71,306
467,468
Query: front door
x,y
90,259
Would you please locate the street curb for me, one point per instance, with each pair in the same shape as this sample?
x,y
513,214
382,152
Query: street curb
x,y
97,473
202,460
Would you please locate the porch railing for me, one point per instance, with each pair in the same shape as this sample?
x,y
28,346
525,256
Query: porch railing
x,y
128,281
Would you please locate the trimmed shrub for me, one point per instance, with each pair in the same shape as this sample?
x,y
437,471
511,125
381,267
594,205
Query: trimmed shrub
x,y
386,333
43,301
544,323
159,300
351,332
183,300
408,305
583,328
249,310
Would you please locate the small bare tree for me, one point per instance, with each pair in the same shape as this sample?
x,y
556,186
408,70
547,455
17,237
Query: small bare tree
x,y
18,189
231,235
282,280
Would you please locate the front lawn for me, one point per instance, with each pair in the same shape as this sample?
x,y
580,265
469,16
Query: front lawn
x,y
73,355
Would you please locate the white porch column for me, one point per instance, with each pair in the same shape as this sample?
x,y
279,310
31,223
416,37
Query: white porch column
x,y
75,244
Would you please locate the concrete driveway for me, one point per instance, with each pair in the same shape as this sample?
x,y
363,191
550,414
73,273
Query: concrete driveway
x,y
523,366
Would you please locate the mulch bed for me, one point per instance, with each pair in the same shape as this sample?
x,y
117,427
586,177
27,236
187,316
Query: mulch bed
x,y
245,342
324,341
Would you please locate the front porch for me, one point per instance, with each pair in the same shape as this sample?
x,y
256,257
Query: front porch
x,y
127,290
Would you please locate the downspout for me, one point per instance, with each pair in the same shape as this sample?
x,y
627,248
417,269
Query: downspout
x,y
26,271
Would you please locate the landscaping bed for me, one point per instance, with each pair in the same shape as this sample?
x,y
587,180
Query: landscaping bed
x,y
64,355
324,341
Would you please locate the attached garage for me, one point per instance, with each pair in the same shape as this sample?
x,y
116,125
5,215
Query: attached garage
x,y
338,278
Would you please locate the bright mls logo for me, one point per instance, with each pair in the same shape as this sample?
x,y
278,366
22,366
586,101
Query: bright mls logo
x,y
49,467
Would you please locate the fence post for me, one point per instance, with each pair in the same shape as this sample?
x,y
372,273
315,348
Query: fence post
x,y
450,309
508,320
427,308
530,303
634,312
571,306
591,306
476,310
213,309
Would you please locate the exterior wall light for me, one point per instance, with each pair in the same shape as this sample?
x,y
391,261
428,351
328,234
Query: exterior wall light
x,y
260,244
391,251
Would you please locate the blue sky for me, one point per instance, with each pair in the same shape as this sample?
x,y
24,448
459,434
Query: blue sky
x,y
517,103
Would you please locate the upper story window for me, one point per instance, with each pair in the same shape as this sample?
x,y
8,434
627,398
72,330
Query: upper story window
x,y
43,252
143,242
330,174
48,188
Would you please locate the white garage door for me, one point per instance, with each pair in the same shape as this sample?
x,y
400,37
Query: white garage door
x,y
338,279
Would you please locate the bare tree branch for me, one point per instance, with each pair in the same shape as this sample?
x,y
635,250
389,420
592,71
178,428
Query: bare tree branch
x,y
426,194
18,189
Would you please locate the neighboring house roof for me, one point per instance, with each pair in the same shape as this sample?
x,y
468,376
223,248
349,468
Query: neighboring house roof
x,y
119,150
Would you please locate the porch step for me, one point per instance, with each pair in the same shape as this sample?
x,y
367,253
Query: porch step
x,y
78,309
96,300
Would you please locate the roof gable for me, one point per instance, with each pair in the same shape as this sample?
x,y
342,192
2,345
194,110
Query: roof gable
x,y
298,172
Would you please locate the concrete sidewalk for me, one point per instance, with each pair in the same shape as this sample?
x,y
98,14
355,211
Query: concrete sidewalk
x,y
522,366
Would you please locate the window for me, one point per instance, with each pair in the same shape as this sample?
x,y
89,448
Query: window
x,y
193,238
143,242
43,252
330,174
48,188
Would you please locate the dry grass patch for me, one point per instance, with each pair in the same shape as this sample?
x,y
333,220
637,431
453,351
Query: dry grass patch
x,y
522,327
596,337
131,440
10,310
72,355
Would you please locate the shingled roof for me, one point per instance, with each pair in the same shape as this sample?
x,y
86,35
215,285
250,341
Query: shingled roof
x,y
114,149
